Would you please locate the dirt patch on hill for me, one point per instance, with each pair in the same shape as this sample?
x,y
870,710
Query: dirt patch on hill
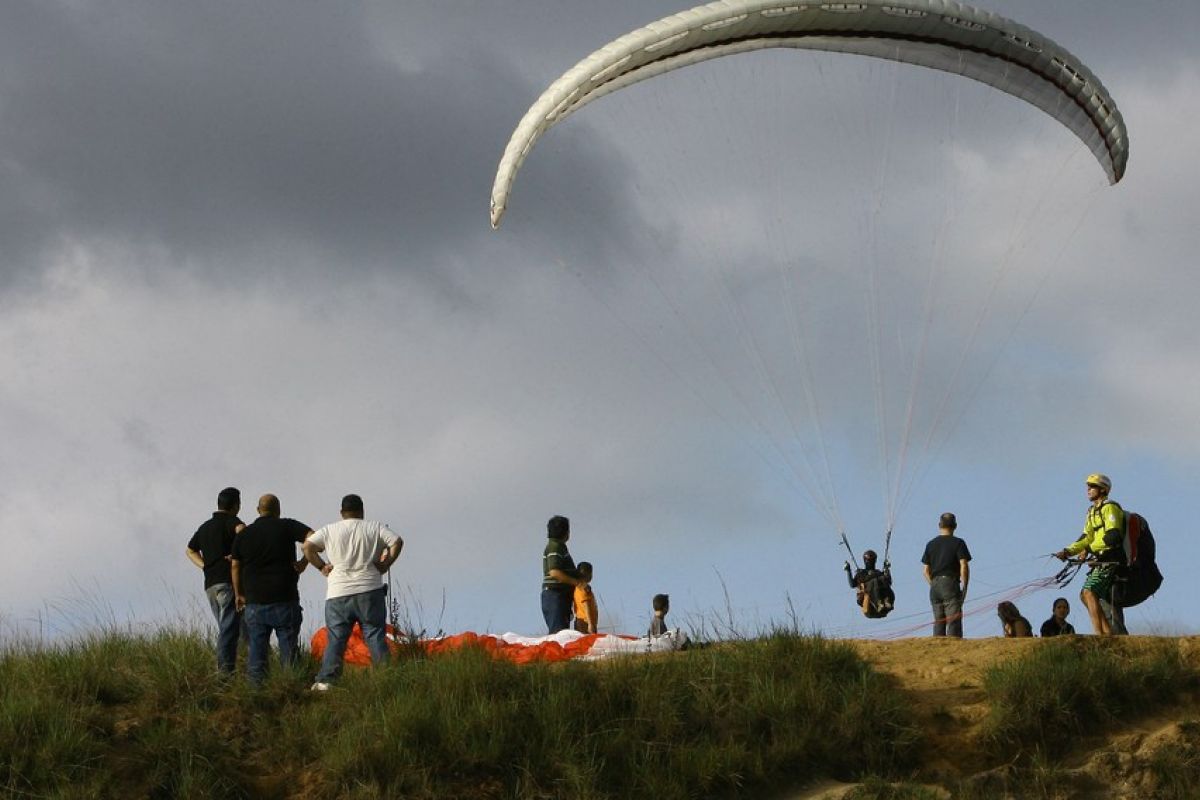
x,y
944,680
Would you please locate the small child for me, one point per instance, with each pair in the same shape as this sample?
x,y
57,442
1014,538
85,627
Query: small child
x,y
587,617
658,623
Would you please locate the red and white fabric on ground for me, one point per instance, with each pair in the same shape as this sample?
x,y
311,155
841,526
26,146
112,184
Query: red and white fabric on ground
x,y
562,646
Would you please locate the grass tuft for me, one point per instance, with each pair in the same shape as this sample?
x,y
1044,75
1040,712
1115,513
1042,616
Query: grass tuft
x,y
1043,703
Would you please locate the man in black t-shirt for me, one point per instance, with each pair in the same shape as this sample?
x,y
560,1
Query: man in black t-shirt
x,y
266,574
559,576
209,549
946,560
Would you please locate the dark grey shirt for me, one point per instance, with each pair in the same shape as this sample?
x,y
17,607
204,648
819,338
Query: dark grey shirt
x,y
942,555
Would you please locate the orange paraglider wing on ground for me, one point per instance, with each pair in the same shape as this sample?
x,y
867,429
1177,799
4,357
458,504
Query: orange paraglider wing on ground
x,y
562,646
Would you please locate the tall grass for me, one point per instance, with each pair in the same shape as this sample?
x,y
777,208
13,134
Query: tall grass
x,y
1043,703
118,715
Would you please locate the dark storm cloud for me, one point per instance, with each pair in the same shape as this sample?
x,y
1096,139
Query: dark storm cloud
x,y
265,134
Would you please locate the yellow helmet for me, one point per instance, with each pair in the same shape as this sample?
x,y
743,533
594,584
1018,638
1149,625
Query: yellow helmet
x,y
1097,479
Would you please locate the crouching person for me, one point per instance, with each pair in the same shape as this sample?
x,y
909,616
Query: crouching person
x,y
359,552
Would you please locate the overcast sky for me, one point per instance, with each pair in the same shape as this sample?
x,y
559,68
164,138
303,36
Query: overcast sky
x,y
248,245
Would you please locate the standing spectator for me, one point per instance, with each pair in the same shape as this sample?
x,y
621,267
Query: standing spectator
x,y
266,574
948,572
209,549
559,575
359,552
658,623
587,616
1057,625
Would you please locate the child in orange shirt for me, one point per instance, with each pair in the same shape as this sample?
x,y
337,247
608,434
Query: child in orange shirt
x,y
587,617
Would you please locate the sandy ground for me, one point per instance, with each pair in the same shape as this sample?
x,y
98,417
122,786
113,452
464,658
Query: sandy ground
x,y
944,679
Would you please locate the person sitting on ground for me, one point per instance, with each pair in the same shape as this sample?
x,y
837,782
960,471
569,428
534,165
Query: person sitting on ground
x,y
658,623
1057,625
874,586
587,617
1015,626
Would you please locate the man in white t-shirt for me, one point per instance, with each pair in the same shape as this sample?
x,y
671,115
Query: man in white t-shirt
x,y
359,552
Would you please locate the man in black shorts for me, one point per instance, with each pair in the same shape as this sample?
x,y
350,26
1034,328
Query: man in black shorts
x,y
946,564
266,574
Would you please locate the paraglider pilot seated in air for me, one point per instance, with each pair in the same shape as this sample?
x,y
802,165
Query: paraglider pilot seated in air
x,y
874,586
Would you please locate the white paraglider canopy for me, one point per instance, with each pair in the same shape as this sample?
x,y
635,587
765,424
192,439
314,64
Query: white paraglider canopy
x,y
943,35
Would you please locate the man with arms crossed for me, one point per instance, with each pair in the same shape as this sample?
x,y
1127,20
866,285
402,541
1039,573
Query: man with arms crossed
x,y
946,564
359,552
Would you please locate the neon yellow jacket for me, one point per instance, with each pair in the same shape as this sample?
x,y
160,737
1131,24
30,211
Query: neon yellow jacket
x,y
1101,519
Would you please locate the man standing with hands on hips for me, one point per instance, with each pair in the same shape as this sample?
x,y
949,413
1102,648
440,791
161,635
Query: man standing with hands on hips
x,y
209,549
266,575
947,572
359,552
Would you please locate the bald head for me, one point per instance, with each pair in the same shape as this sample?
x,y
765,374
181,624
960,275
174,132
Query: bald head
x,y
268,506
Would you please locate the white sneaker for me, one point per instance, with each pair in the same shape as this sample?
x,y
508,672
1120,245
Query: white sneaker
x,y
321,687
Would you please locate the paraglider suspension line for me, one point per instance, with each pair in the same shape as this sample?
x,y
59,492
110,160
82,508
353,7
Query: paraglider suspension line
x,y
1067,574
849,552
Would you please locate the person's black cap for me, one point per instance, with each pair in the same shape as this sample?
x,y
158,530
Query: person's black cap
x,y
947,521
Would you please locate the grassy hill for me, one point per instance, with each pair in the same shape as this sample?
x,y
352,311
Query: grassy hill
x,y
118,715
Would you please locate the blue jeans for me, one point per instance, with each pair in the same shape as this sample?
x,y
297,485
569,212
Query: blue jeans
x,y
221,599
946,599
556,609
368,609
263,618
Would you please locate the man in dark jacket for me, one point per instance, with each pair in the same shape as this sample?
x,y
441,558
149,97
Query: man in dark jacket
x,y
209,549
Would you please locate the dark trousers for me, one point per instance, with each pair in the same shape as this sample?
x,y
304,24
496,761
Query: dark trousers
x,y
946,599
556,609
263,618
229,623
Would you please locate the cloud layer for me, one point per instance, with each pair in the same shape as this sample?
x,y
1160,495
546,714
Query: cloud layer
x,y
249,245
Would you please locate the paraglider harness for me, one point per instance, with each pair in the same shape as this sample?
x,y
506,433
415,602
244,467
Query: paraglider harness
x,y
1134,558
872,607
